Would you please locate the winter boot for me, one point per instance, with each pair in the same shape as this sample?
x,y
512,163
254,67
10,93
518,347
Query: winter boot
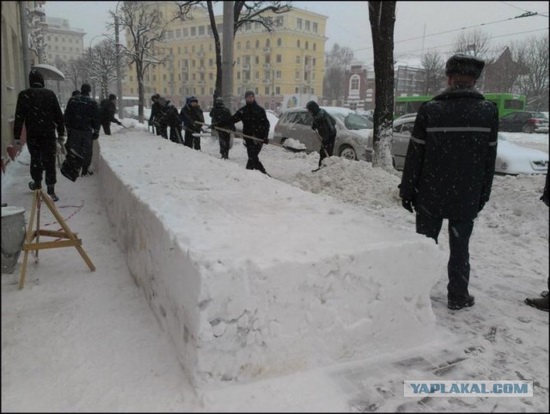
x,y
35,185
86,172
51,193
539,303
459,304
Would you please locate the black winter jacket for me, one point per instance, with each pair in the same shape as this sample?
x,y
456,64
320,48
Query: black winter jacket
x,y
325,125
450,160
254,119
222,116
107,110
189,114
38,108
82,113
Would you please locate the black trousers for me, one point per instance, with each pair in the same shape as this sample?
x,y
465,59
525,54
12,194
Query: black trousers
x,y
224,138
82,143
327,150
253,149
175,135
43,151
106,127
458,267
192,141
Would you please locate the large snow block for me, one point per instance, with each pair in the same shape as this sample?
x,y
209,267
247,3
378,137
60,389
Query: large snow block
x,y
252,277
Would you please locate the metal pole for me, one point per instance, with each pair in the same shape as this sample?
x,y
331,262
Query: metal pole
x,y
227,54
118,72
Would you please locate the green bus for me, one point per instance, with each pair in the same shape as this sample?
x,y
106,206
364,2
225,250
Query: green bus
x,y
505,102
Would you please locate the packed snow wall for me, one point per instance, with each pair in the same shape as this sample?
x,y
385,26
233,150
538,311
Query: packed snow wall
x,y
252,277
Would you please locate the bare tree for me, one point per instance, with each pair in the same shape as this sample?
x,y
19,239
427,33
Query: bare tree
x,y
102,66
145,29
75,72
382,22
533,53
475,43
434,72
244,12
336,62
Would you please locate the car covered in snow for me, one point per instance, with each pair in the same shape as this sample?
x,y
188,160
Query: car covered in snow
x,y
511,158
352,131
524,121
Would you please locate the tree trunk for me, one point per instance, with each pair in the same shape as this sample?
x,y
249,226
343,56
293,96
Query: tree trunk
x,y
382,22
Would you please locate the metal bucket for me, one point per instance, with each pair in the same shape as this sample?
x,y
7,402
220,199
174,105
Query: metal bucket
x,y
13,236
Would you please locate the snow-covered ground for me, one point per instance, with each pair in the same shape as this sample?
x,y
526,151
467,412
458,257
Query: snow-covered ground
x,y
75,340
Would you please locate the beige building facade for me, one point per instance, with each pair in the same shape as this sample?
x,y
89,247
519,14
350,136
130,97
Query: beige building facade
x,y
287,61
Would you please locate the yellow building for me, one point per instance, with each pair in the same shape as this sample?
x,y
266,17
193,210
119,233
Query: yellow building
x,y
288,61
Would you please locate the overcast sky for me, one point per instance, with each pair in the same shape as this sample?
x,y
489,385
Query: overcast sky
x,y
420,26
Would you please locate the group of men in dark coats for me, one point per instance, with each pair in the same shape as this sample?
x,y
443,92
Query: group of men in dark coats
x,y
39,110
253,116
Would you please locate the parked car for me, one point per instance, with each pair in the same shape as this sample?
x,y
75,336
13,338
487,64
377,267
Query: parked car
x,y
352,131
525,121
409,115
511,158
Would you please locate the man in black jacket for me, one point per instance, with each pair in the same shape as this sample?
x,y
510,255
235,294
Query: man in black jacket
x,y
220,114
155,113
107,113
82,120
450,165
325,126
192,118
255,124
38,108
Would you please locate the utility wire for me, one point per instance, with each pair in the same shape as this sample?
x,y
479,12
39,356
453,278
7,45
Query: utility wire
x,y
412,52
528,14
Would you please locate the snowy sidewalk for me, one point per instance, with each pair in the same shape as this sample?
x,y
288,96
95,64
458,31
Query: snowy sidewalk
x,y
75,340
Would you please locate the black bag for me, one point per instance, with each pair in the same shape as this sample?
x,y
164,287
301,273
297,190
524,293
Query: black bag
x,y
71,166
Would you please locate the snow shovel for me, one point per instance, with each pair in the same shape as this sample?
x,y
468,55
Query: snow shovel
x,y
241,135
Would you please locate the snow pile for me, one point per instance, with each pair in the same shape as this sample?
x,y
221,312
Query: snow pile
x,y
252,277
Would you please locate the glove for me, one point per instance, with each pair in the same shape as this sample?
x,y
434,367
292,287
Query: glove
x,y
481,205
118,122
266,140
95,135
408,205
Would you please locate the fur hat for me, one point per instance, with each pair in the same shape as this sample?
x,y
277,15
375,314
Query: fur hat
x,y
249,93
464,65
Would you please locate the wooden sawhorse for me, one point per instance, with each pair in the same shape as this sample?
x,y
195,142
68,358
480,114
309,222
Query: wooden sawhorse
x,y
30,245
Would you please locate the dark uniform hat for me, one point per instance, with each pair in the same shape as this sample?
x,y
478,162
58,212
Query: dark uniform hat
x,y
464,65
248,93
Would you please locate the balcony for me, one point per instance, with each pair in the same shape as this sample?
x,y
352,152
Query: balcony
x,y
267,66
246,66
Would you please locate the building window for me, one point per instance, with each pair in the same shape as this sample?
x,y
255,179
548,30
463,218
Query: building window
x,y
297,73
257,44
297,59
257,75
248,44
299,23
193,31
185,32
267,43
278,74
278,90
266,90
307,26
315,27
201,31
239,45
314,46
278,59
307,45
298,43
279,42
